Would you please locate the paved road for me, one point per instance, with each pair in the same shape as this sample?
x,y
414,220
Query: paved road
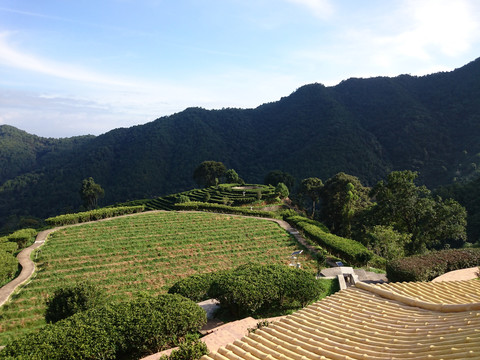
x,y
28,267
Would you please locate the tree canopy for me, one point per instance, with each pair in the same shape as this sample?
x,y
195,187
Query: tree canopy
x,y
343,198
90,192
311,187
276,176
208,173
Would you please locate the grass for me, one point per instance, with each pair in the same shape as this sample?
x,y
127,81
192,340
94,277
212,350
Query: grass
x,y
145,253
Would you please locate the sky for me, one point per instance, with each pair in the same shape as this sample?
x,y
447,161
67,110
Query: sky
x,y
82,67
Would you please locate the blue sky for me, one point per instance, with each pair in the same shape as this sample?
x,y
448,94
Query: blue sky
x,y
86,67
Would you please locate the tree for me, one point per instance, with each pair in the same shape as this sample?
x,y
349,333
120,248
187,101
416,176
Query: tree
x,y
282,191
388,243
411,209
90,192
311,188
343,198
276,176
231,177
208,173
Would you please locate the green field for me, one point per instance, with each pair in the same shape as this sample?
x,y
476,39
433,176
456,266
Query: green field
x,y
146,253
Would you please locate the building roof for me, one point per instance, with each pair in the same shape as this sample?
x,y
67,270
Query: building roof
x,y
387,321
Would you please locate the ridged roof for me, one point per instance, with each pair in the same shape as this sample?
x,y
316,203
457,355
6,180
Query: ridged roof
x,y
388,321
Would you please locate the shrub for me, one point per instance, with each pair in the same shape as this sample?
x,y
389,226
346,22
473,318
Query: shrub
x,y
69,300
296,219
188,350
182,198
427,267
8,266
347,249
253,289
113,331
92,215
195,205
195,287
22,238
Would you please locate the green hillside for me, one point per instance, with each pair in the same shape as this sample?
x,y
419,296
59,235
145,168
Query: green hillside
x,y
363,127
147,253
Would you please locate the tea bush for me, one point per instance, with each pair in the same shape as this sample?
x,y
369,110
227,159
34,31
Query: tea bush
x,y
253,289
69,300
347,249
135,328
427,267
99,214
195,287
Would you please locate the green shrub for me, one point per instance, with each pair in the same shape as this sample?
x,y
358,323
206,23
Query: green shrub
x,y
298,219
69,300
195,205
92,215
9,247
188,350
112,331
23,238
8,267
347,249
254,289
182,198
195,287
429,266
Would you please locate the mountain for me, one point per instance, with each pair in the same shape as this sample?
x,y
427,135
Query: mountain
x,y
364,127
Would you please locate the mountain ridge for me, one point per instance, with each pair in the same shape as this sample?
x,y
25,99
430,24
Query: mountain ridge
x,y
364,127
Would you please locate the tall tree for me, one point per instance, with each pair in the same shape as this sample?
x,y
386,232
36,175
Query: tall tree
x,y
276,176
311,187
231,177
90,192
411,209
208,173
343,198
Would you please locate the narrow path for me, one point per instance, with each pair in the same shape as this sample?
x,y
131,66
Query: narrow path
x,y
28,266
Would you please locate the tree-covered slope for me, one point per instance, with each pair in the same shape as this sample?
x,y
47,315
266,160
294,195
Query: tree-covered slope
x,y
363,127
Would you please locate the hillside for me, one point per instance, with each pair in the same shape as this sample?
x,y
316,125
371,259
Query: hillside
x,y
146,253
364,127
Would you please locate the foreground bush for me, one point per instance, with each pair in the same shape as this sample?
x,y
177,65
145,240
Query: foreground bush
x,y
195,287
73,299
427,267
253,289
347,249
124,330
93,215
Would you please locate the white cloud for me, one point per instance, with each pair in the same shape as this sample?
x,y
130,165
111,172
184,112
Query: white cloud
x,y
11,57
322,9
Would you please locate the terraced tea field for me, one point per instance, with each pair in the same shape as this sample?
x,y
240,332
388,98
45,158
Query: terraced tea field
x,y
147,252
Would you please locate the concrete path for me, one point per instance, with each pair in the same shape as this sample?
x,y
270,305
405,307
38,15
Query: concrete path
x,y
28,267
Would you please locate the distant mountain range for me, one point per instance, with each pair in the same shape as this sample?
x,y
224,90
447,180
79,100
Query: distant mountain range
x,y
364,127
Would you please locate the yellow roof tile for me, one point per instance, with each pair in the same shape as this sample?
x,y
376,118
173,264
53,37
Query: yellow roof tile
x,y
389,321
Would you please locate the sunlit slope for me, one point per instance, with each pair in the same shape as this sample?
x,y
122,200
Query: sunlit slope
x,y
143,253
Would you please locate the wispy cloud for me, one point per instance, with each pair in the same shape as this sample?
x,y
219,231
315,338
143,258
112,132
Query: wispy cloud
x,y
322,9
11,57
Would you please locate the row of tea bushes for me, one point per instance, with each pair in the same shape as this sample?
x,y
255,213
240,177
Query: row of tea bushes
x,y
429,266
98,214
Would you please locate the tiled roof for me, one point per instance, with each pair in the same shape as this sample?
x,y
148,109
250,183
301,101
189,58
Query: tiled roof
x,y
388,321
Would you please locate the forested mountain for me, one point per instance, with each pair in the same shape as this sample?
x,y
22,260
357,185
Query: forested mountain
x,y
363,127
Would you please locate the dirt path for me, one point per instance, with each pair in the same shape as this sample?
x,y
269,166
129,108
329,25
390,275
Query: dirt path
x,y
28,267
